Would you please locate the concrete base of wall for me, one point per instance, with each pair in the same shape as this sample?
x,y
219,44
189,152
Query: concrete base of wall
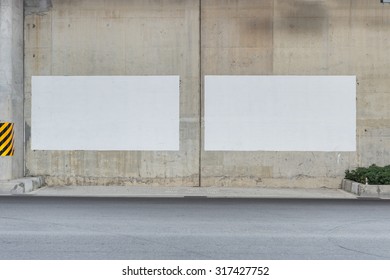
x,y
295,182
22,185
365,190
119,181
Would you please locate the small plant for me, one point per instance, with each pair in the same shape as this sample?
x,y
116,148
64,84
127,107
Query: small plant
x,y
373,175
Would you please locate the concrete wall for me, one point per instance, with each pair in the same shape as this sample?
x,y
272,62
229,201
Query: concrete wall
x,y
11,82
93,37
301,37
238,37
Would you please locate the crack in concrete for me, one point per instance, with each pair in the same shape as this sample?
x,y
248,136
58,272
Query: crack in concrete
x,y
334,242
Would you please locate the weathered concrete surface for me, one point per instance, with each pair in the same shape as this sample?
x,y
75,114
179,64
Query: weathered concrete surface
x,y
363,190
301,37
11,82
164,191
21,185
238,37
89,37
37,6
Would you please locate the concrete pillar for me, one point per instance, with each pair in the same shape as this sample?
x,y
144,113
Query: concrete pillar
x,y
11,83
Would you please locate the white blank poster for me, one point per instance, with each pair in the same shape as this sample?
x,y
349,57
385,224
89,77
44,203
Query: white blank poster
x,y
280,113
105,113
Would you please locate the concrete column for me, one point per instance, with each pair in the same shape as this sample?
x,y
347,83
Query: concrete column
x,y
11,83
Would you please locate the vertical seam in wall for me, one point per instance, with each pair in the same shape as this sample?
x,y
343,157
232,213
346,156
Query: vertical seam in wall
x,y
200,95
357,156
51,41
24,151
273,41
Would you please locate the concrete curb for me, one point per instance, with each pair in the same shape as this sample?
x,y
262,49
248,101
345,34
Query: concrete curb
x,y
363,190
21,186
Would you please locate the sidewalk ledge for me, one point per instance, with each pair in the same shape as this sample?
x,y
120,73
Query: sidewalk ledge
x,y
363,190
21,186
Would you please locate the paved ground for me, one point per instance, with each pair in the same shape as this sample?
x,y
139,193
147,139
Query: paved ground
x,y
248,192
33,227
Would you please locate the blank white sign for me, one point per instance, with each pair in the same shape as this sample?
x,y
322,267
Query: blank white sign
x,y
105,113
280,113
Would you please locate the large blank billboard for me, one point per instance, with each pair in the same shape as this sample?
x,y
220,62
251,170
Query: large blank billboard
x,y
115,113
280,113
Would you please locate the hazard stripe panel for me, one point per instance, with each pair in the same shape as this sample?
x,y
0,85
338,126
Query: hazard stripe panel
x,y
7,147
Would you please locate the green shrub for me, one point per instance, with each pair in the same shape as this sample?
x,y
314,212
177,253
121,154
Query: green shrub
x,y
375,175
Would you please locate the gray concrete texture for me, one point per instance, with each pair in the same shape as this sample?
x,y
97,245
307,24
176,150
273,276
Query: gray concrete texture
x,y
11,82
211,192
365,190
193,38
301,38
194,228
23,185
118,38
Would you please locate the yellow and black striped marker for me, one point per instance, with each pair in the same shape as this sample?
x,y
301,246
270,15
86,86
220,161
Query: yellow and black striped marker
x,y
6,139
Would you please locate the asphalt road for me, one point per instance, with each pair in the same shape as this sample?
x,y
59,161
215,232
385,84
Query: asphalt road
x,y
192,228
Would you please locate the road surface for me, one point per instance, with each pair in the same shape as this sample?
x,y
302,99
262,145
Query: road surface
x,y
192,228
